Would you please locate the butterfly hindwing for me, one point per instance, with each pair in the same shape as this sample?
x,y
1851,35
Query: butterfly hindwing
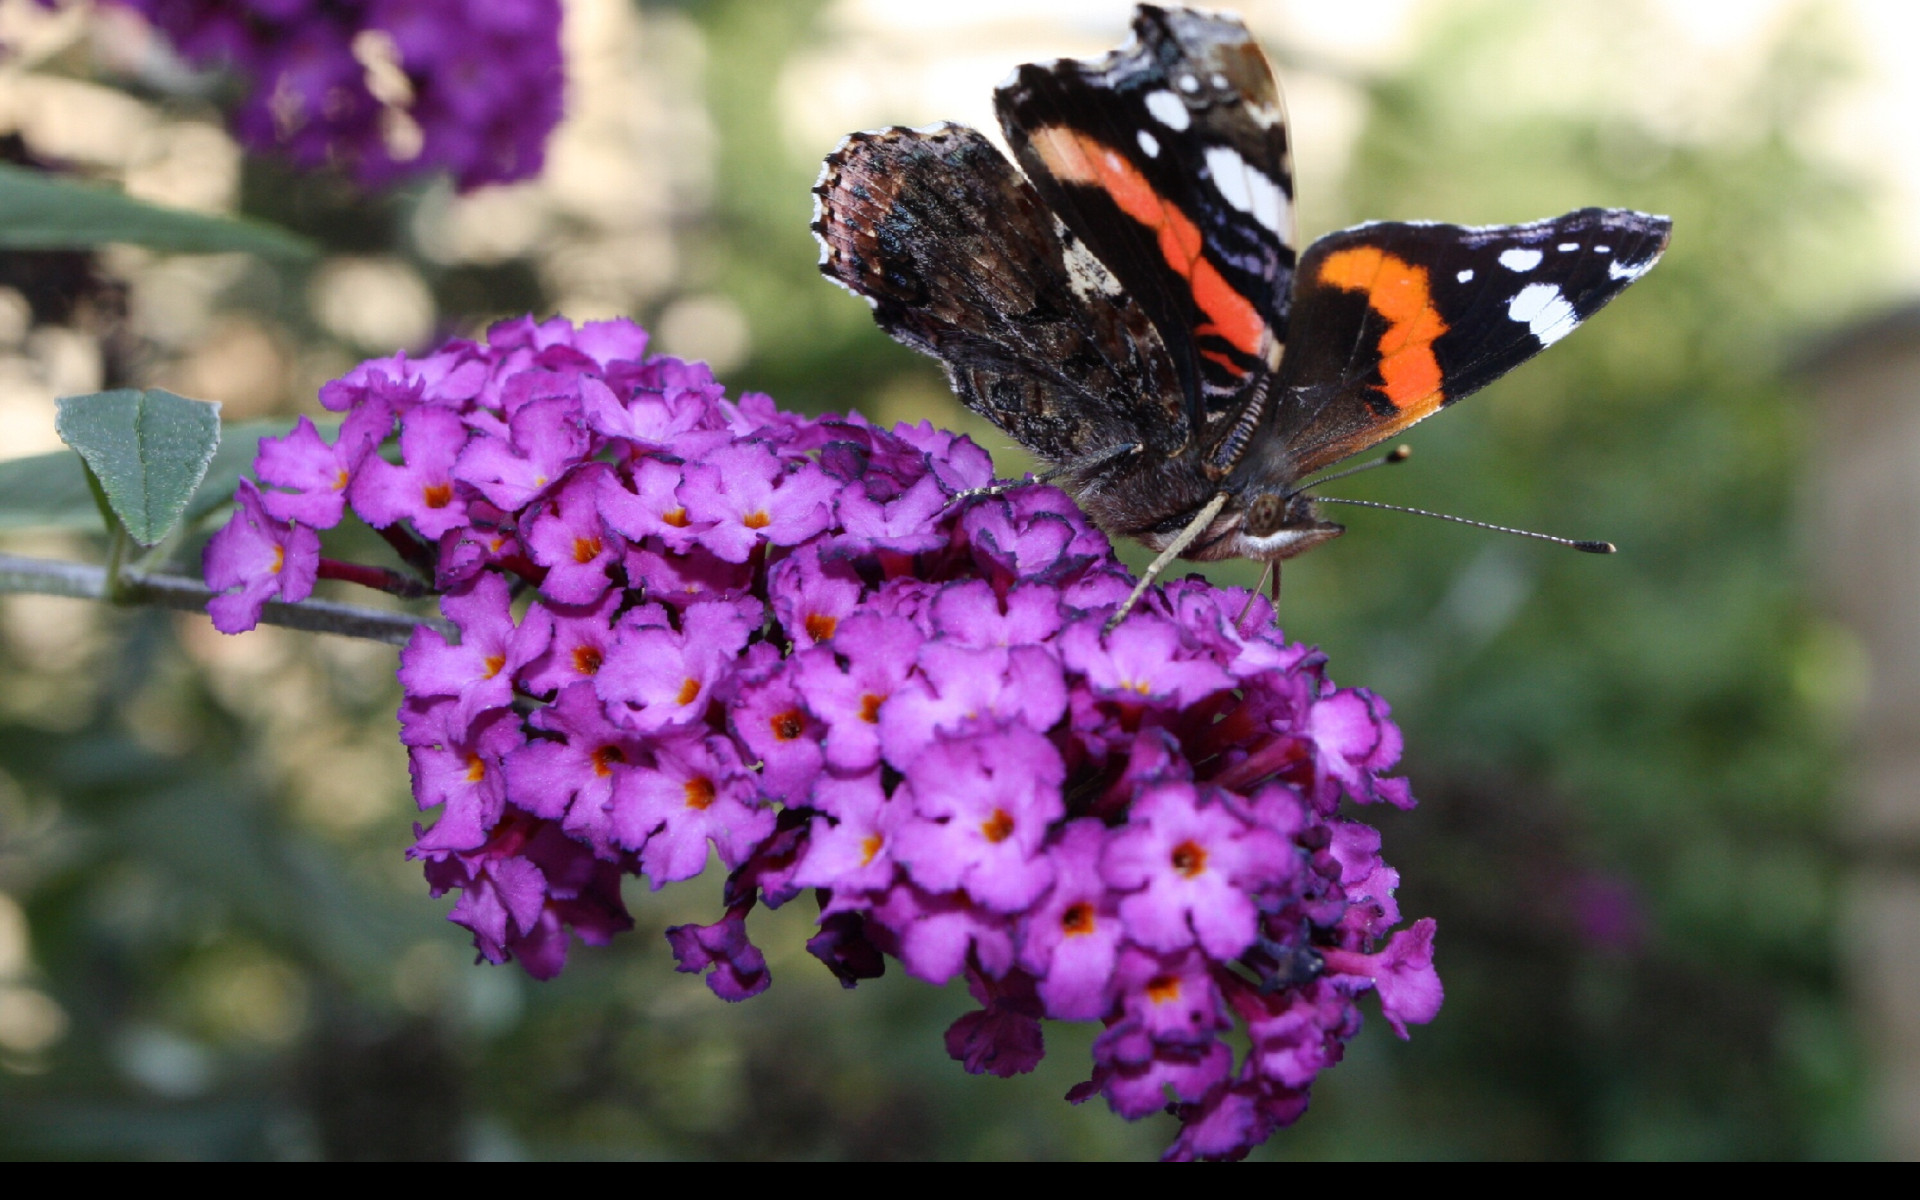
x,y
1392,322
961,260
1169,158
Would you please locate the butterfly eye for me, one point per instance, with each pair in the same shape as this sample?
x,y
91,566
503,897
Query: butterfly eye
x,y
1266,515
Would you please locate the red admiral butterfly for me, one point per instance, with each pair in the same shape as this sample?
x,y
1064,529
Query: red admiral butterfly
x,y
1133,312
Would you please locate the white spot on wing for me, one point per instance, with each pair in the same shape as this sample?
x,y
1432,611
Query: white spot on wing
x,y
1086,275
1188,83
1520,260
1247,189
1465,276
1169,110
1619,270
1544,311
1219,82
1567,247
1149,144
1603,249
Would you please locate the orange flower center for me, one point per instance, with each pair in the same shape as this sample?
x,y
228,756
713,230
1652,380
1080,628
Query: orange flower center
x,y
757,519
998,827
1163,989
688,690
493,663
699,792
586,659
437,495
676,517
279,559
1189,859
870,708
586,549
788,725
604,758
870,848
476,768
820,626
1077,920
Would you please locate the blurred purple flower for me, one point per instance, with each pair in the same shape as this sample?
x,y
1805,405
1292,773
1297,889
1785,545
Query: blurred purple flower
x,y
384,89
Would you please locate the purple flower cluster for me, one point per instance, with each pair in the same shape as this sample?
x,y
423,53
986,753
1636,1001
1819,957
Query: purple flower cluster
x,y
385,88
692,626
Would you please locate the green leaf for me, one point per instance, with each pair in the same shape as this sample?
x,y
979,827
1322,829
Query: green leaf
x,y
148,449
44,212
47,491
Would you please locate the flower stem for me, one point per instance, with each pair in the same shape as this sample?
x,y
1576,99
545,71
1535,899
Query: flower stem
x,y
378,578
49,577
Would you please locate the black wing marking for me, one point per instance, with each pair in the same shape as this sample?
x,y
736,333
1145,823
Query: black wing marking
x,y
1392,322
961,260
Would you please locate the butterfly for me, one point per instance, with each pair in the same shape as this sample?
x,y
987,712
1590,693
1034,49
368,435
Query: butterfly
x,y
1130,304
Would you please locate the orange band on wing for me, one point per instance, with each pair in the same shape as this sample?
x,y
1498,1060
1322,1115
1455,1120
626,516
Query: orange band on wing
x,y
1397,290
1074,157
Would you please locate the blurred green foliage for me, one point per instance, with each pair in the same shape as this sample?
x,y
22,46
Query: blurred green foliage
x,y
1624,764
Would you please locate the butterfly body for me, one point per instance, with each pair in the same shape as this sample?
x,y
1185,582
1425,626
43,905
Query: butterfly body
x,y
1130,305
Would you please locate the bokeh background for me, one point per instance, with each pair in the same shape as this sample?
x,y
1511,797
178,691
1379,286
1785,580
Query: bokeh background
x,y
1670,926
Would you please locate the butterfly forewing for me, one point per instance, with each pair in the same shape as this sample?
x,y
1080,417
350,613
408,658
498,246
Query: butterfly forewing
x,y
1169,158
1395,321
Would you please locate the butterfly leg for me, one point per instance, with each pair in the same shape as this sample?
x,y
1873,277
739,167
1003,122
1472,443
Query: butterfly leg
x,y
1266,573
1081,466
1181,541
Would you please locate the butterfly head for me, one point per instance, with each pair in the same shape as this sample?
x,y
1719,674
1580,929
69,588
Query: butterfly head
x,y
1277,525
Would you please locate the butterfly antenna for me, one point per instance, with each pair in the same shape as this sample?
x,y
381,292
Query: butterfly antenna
x,y
1398,454
1586,547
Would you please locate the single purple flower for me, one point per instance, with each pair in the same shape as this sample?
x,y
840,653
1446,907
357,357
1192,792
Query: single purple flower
x,y
810,597
466,775
878,652
651,507
851,845
1003,1037
570,777
317,474
960,689
254,559
1188,864
566,537
771,719
1071,940
420,490
545,437
984,805
746,496
1402,975
698,792
563,644
735,967
667,676
935,937
478,672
